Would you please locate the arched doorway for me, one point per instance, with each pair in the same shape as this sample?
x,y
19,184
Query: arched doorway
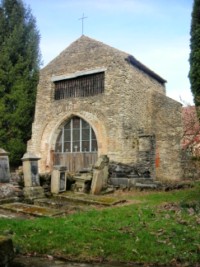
x,y
76,145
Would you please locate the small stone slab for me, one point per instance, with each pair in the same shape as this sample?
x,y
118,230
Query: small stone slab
x,y
144,186
120,181
31,209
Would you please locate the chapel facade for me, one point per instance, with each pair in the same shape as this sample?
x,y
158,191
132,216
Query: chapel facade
x,y
95,100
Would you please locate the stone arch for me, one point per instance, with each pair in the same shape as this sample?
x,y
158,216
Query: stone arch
x,y
92,120
52,130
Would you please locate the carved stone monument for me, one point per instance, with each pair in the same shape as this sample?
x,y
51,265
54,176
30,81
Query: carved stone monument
x,y
4,167
100,175
32,189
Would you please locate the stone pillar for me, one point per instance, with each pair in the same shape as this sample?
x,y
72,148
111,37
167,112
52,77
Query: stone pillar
x,y
4,167
32,187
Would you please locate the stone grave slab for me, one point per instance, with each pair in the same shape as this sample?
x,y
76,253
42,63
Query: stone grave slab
x,y
91,199
31,209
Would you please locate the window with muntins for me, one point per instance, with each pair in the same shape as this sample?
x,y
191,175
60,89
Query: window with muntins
x,y
81,86
76,136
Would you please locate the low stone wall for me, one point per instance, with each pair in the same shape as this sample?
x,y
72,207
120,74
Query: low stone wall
x,y
7,191
17,177
119,170
191,168
13,188
190,165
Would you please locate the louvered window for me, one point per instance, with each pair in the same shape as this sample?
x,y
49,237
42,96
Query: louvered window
x,y
82,86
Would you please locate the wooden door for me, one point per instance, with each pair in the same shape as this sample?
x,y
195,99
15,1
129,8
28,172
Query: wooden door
x,y
75,161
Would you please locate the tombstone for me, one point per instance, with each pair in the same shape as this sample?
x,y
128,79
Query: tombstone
x,y
58,179
4,167
32,187
100,175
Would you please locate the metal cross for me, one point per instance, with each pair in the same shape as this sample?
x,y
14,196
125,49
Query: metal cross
x,y
83,22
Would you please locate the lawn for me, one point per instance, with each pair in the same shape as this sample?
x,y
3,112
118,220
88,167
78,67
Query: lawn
x,y
155,228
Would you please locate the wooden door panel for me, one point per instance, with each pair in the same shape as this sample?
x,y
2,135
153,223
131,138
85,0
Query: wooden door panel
x,y
75,161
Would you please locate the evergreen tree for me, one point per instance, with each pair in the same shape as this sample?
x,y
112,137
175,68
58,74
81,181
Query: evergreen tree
x,y
194,74
19,72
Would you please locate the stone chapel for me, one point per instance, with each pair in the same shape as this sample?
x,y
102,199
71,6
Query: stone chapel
x,y
94,100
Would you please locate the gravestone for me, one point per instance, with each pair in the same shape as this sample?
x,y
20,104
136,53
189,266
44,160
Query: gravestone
x,y
32,187
58,179
100,175
4,167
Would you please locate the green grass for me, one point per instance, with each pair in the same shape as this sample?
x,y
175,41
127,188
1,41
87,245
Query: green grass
x,y
163,228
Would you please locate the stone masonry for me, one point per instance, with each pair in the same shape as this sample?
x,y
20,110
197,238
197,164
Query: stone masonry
x,y
133,119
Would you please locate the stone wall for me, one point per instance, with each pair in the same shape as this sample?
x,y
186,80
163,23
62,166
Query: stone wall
x,y
166,123
118,116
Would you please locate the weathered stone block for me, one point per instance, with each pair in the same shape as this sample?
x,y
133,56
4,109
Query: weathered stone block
x,y
7,191
6,251
97,182
120,181
146,186
82,182
33,192
101,162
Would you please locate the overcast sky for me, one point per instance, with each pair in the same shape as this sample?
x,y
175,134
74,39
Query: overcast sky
x,y
156,32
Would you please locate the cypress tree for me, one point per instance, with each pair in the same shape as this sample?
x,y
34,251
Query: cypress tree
x,y
19,73
194,74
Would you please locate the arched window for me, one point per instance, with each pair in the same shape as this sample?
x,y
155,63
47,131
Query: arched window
x,y
76,136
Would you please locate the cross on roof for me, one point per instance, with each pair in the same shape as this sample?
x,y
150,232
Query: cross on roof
x,y
83,17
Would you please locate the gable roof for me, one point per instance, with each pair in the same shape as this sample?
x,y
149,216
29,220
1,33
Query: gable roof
x,y
88,44
146,70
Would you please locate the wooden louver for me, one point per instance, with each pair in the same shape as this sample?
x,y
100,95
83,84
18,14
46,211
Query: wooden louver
x,y
82,86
